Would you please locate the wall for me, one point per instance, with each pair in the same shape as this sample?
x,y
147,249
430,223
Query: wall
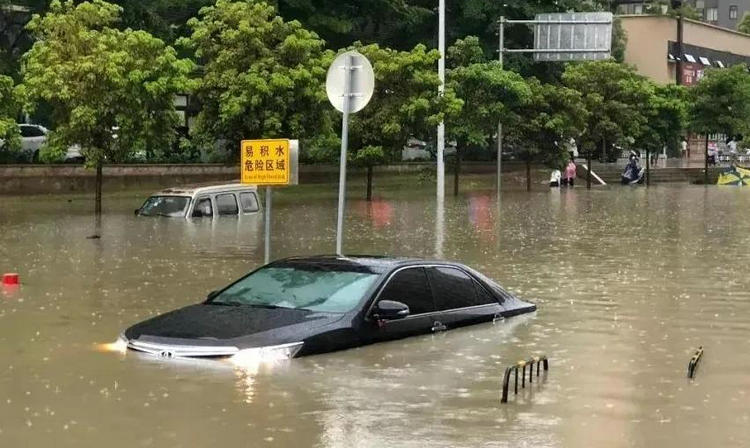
x,y
35,179
647,45
710,36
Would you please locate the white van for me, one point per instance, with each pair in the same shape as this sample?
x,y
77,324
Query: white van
x,y
203,201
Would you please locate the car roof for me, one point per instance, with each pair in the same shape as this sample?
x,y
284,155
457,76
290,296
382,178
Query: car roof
x,y
194,189
381,263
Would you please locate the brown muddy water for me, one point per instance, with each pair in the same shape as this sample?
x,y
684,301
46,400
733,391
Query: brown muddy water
x,y
628,281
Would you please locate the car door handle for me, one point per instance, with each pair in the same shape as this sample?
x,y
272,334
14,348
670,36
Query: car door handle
x,y
438,326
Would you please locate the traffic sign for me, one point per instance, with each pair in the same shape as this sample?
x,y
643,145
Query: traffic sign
x,y
268,162
361,83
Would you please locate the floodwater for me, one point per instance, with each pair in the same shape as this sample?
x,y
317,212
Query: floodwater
x,y
629,283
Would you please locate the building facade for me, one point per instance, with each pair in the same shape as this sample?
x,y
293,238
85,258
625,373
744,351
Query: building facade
x,y
668,50
723,13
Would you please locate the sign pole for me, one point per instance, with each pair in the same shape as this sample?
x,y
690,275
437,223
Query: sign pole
x,y
344,147
267,251
441,90
500,123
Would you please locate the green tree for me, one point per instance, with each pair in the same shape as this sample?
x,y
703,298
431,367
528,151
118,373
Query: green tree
x,y
341,22
110,91
666,117
552,116
10,138
489,95
613,94
406,102
262,77
744,25
720,103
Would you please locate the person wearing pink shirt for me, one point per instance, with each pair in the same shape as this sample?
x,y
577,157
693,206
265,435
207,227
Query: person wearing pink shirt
x,y
570,173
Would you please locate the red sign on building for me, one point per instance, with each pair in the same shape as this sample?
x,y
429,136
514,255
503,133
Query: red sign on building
x,y
691,73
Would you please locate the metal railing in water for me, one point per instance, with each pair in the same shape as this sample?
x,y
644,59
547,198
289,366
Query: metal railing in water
x,y
539,361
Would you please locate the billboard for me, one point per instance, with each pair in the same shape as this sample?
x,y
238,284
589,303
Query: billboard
x,y
586,35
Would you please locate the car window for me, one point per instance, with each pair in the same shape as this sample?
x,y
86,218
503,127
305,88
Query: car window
x,y
483,296
226,204
31,131
203,208
249,202
410,286
452,288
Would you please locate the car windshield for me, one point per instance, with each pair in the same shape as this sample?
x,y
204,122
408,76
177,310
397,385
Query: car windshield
x,y
313,289
170,206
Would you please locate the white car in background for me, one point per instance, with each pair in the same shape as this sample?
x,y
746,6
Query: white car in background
x,y
34,137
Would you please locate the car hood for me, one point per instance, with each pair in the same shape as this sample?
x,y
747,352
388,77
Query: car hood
x,y
231,325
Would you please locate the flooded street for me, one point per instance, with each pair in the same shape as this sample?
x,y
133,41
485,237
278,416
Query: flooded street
x,y
629,282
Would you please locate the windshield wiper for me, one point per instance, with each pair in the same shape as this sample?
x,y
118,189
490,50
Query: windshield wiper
x,y
270,307
227,303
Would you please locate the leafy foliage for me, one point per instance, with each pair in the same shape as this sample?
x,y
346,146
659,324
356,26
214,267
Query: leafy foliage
x,y
98,79
666,117
721,101
744,25
489,94
262,77
552,116
613,94
9,134
406,100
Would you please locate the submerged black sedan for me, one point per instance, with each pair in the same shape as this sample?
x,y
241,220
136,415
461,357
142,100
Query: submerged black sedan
x,y
302,306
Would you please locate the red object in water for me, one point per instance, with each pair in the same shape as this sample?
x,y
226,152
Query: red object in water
x,y
11,279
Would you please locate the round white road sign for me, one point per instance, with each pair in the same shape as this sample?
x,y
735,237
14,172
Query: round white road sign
x,y
361,81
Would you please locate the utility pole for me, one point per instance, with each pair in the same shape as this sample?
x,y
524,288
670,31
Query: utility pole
x,y
501,35
441,89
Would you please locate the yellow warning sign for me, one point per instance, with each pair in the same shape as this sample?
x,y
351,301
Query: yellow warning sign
x,y
266,162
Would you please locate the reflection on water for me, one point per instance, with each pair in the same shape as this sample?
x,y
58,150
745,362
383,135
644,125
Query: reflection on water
x,y
628,281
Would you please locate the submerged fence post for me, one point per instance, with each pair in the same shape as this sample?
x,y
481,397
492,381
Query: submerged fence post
x,y
694,362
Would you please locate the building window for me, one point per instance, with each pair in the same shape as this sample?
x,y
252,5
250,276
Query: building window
x,y
700,4
712,14
733,12
638,9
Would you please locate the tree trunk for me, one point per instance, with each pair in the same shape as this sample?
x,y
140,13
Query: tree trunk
x,y
98,199
588,172
456,171
369,183
648,167
705,173
528,174
604,150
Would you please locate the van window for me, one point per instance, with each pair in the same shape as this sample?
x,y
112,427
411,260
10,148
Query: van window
x,y
226,204
203,208
249,202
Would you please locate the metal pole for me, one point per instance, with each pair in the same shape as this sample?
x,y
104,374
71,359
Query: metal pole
x,y
441,89
344,146
705,163
268,226
501,33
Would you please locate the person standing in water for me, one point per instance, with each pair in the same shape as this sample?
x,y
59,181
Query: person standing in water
x,y
570,173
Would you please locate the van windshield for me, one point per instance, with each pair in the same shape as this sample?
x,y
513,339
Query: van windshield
x,y
169,206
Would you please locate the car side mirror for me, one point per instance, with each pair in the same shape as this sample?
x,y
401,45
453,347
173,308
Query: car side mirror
x,y
136,211
390,310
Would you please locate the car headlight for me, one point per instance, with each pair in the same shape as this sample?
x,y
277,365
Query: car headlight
x,y
257,355
119,346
